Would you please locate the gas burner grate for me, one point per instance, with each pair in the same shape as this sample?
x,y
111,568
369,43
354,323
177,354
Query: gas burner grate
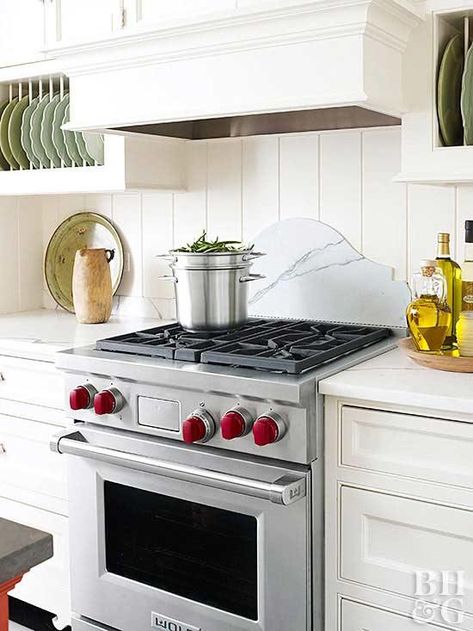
x,y
272,345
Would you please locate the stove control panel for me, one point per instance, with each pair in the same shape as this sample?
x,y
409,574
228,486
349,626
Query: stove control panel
x,y
218,420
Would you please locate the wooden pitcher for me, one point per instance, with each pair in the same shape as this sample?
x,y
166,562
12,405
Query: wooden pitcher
x,y
92,285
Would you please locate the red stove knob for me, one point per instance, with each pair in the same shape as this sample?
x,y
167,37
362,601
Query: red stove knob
x,y
235,423
198,428
82,397
268,429
108,402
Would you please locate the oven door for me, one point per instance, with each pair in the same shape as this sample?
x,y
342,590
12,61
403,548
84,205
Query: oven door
x,y
177,538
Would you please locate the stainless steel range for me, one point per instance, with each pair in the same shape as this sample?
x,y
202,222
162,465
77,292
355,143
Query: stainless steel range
x,y
195,475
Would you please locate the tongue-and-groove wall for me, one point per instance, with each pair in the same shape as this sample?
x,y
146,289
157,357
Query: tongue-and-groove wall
x,y
237,187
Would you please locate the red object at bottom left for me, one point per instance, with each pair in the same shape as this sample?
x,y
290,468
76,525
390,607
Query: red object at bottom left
x,y
4,589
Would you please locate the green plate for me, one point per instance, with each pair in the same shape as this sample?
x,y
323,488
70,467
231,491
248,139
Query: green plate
x,y
14,132
448,92
4,166
70,141
4,141
86,157
58,133
467,98
35,132
79,231
94,146
26,132
46,134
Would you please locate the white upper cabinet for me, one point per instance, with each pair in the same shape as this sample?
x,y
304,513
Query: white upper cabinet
x,y
73,22
426,158
22,31
150,13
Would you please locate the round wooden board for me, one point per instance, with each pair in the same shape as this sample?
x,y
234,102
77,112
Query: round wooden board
x,y
446,362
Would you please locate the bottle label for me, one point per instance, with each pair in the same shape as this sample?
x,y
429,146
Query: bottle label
x,y
467,296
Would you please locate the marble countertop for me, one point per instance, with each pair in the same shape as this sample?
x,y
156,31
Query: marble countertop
x,y
395,379
40,334
21,548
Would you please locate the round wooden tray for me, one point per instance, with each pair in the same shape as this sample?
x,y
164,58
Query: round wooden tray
x,y
447,360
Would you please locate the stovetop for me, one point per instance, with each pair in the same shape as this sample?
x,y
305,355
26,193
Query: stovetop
x,y
287,346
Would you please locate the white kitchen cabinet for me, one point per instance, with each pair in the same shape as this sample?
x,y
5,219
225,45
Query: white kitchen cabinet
x,y
150,13
32,478
424,159
22,31
398,500
73,22
358,617
130,163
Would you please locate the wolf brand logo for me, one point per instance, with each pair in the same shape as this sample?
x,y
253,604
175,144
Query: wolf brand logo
x,y
169,624
439,595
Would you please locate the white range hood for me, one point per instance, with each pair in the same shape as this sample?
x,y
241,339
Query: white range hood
x,y
284,58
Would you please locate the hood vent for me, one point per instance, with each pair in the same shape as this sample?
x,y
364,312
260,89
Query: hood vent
x,y
287,67
261,124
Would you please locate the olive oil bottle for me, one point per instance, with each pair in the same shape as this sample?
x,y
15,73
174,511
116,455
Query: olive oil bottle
x,y
428,315
467,269
453,278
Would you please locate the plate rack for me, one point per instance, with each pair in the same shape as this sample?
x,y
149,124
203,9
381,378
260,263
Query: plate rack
x,y
40,87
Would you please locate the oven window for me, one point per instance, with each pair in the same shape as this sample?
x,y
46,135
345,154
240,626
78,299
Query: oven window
x,y
203,553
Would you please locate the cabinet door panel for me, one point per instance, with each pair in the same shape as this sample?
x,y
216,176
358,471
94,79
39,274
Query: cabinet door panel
x,y
86,20
357,617
430,449
151,12
386,539
21,31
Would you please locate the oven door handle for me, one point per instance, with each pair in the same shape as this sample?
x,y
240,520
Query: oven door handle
x,y
285,490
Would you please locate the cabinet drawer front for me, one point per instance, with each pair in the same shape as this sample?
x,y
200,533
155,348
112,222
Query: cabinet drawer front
x,y
414,446
386,539
31,381
47,585
26,461
357,617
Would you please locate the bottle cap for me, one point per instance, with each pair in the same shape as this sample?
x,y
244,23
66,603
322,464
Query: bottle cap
x,y
428,263
443,237
469,231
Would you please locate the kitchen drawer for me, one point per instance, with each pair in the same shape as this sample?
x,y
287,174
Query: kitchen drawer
x,y
33,382
385,539
357,617
26,462
47,585
406,445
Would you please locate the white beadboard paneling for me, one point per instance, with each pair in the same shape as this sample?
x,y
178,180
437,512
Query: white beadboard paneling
x,y
464,212
384,201
190,208
260,179
9,259
224,189
431,210
67,205
30,249
157,239
298,176
127,219
340,183
101,204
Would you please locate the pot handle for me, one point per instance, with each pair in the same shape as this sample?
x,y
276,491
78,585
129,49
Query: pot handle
x,y
253,255
110,255
168,277
167,256
250,277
